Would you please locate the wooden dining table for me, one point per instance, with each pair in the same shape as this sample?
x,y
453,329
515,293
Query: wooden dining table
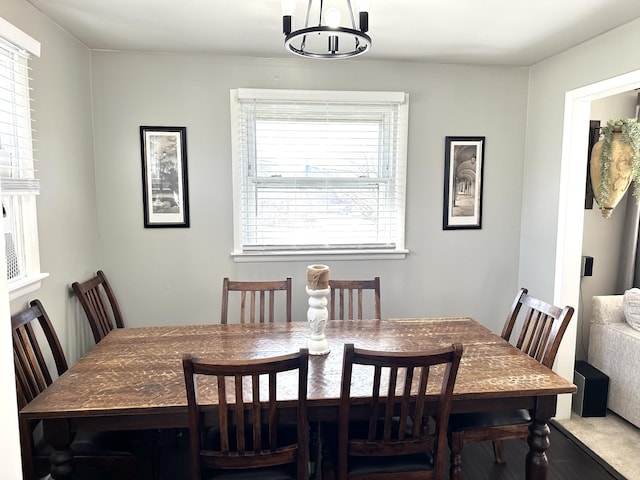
x,y
133,378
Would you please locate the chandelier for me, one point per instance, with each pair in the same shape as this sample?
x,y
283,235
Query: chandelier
x,y
326,39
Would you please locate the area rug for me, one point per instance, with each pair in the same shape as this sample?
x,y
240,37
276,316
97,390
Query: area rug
x,y
614,440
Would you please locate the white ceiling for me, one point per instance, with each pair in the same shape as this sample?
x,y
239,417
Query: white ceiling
x,y
500,32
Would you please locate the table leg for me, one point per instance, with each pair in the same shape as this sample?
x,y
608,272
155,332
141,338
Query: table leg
x,y
537,463
57,434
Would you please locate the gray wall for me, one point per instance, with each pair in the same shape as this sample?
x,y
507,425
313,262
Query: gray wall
x,y
174,276
90,212
555,167
67,221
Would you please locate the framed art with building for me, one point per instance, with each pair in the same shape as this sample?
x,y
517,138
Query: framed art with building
x,y
464,164
165,192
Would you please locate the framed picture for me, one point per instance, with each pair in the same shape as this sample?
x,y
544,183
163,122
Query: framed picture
x,y
165,193
464,161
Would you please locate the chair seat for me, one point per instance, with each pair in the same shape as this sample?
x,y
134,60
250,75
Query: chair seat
x,y
363,465
394,464
97,456
473,421
92,443
280,472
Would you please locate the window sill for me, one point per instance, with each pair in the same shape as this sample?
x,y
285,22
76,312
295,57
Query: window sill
x,y
25,286
314,256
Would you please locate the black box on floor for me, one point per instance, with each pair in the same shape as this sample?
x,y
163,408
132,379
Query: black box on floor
x,y
593,388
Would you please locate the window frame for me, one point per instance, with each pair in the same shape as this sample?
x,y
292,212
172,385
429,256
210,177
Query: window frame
x,y
23,202
241,254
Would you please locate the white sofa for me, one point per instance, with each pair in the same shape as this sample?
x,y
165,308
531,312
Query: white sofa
x,y
614,349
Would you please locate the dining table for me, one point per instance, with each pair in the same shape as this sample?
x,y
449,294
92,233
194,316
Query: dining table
x,y
133,378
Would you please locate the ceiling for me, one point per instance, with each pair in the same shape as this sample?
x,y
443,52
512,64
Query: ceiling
x,y
494,32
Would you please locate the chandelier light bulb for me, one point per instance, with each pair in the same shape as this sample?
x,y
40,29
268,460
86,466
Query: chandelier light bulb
x,y
288,7
332,17
363,5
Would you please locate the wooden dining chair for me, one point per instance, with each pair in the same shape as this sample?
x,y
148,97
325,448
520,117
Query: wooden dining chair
x,y
252,439
541,327
352,293
93,452
351,300
265,291
99,304
381,393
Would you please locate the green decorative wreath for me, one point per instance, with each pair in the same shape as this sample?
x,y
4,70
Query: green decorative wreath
x,y
630,130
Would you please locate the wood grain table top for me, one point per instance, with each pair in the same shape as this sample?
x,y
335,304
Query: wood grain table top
x,y
137,371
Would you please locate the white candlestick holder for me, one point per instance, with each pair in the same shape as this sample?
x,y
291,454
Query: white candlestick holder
x,y
317,316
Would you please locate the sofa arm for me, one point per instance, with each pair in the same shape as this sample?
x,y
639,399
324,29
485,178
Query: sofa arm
x,y
607,309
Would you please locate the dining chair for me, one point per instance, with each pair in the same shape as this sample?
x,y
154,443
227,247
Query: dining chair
x,y
352,292
93,452
380,395
265,291
99,304
541,327
253,438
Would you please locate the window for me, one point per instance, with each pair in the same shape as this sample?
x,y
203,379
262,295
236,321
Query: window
x,y
18,182
318,172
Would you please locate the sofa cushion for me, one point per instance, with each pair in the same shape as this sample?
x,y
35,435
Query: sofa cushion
x,y
631,306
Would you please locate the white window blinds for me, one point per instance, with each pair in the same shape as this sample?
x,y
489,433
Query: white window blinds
x,y
18,181
16,148
319,170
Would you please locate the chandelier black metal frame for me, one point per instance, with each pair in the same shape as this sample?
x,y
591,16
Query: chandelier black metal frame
x,y
303,42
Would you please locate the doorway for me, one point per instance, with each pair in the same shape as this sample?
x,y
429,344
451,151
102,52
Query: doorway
x,y
571,204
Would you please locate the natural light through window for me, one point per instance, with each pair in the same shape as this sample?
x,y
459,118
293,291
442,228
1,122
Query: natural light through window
x,y
318,171
18,181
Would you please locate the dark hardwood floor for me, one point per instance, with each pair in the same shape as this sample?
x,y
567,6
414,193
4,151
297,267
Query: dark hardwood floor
x,y
567,461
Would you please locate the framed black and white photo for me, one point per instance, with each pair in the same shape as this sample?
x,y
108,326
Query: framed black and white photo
x,y
464,161
165,193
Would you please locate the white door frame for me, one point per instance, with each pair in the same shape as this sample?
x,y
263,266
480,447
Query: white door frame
x,y
571,206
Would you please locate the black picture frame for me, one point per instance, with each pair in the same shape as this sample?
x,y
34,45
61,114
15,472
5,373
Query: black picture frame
x,y
165,191
594,136
463,183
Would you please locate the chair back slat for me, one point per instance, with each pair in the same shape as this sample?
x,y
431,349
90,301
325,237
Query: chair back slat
x,y
99,304
32,372
249,415
257,300
399,385
542,326
347,299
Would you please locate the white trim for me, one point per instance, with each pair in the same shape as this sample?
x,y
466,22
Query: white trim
x,y
312,256
19,38
236,170
25,286
403,160
320,95
573,171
